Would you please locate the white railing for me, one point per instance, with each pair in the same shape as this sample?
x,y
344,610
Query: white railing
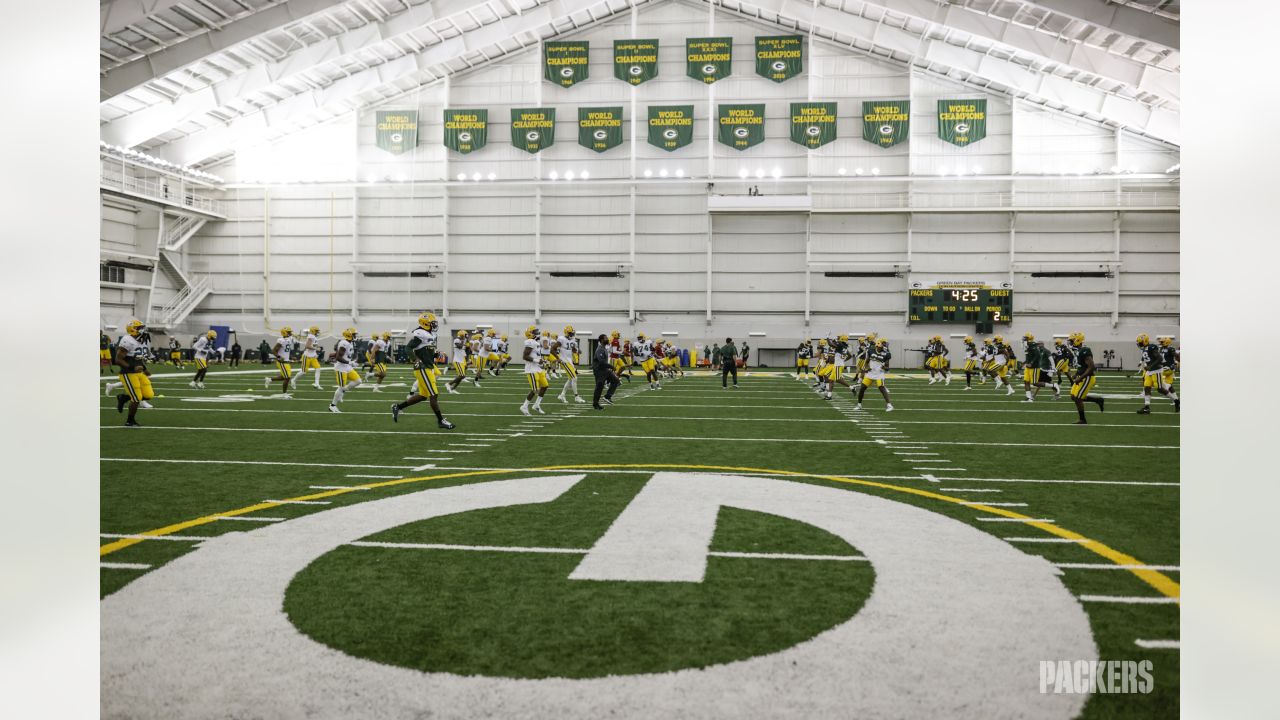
x,y
172,191
996,200
186,299
178,228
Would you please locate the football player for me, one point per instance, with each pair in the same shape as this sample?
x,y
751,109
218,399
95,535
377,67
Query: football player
x,y
283,354
422,348
504,352
1171,360
986,357
534,371
804,351
1152,362
458,361
819,380
1085,377
310,356
377,356
492,352
345,373
615,355
972,363
1036,369
642,350
551,365
1062,359
836,366
936,353
203,346
131,353
1000,363
104,353
563,351
877,365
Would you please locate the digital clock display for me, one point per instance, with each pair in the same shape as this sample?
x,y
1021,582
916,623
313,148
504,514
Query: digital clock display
x,y
960,305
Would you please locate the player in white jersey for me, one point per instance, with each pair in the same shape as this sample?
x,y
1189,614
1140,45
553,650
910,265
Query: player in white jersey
x,y
422,348
552,363
131,353
344,357
458,361
492,352
564,351
283,354
533,370
377,357
201,349
504,352
642,351
310,356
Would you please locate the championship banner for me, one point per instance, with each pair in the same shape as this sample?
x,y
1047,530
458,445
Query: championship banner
x,y
886,122
741,126
635,61
565,63
670,126
708,59
600,128
779,57
397,130
465,130
813,124
962,122
533,129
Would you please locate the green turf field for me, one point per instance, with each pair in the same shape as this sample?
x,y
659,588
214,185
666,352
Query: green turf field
x,y
1100,498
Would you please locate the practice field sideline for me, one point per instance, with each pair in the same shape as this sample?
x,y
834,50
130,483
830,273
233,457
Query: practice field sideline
x,y
1099,503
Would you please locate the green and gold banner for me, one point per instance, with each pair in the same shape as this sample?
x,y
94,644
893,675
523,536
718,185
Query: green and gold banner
x,y
670,126
886,122
779,57
566,63
962,122
635,61
709,59
397,130
600,128
465,130
813,124
533,129
741,126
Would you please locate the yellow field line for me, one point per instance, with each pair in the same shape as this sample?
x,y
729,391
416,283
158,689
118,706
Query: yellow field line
x,y
1155,579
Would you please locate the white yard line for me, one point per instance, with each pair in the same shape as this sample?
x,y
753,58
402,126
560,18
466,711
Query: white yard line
x,y
245,518
124,566
1111,566
379,477
300,502
176,538
786,556
935,467
337,487
205,461
1158,644
915,453
474,548
972,490
1129,599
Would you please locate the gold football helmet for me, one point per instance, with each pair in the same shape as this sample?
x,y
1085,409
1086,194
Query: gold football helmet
x,y
427,321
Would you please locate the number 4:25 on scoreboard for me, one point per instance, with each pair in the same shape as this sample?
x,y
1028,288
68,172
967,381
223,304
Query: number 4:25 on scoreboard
x,y
960,305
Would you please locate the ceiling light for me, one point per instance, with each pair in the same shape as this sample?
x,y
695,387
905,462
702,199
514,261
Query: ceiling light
x,y
777,173
841,171
942,170
462,176
493,176
679,172
759,172
568,175
857,171
1115,169
475,177
401,177
977,169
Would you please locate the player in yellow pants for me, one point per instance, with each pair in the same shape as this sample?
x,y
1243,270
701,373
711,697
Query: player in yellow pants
x,y
1085,378
131,356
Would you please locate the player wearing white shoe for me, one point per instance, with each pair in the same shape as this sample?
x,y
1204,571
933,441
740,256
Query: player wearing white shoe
x,y
132,351
422,348
642,350
564,350
804,351
1152,362
972,361
533,370
476,345
552,363
492,352
310,356
1036,368
200,350
504,352
377,357
877,366
344,369
458,361
282,352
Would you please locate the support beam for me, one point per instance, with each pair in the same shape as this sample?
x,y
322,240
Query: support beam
x,y
1125,20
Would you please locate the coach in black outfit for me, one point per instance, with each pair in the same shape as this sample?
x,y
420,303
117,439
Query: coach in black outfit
x,y
603,371
728,363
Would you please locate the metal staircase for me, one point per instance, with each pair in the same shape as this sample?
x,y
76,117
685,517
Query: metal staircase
x,y
191,291
178,229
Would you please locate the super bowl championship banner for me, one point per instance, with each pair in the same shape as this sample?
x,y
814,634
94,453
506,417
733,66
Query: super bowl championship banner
x,y
670,126
886,122
465,130
708,59
600,128
813,124
397,130
566,63
962,122
533,129
635,61
779,57
741,126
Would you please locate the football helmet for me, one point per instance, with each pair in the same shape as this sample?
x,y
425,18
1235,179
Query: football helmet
x,y
314,330
999,339
615,335
386,335
427,321
1057,342
1165,341
462,333
968,339
1077,338
286,331
492,333
1143,340
135,328
212,334
568,330
531,332
639,336
504,338
881,342
1028,337
349,334
844,338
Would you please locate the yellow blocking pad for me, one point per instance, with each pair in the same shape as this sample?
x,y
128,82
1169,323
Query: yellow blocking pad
x,y
1161,582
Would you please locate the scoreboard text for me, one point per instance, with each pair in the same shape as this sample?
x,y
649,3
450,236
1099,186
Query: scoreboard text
x,y
961,305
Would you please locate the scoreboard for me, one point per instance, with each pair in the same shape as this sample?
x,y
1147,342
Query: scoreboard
x,y
961,305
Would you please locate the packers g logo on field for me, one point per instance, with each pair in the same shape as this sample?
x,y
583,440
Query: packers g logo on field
x,y
703,619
